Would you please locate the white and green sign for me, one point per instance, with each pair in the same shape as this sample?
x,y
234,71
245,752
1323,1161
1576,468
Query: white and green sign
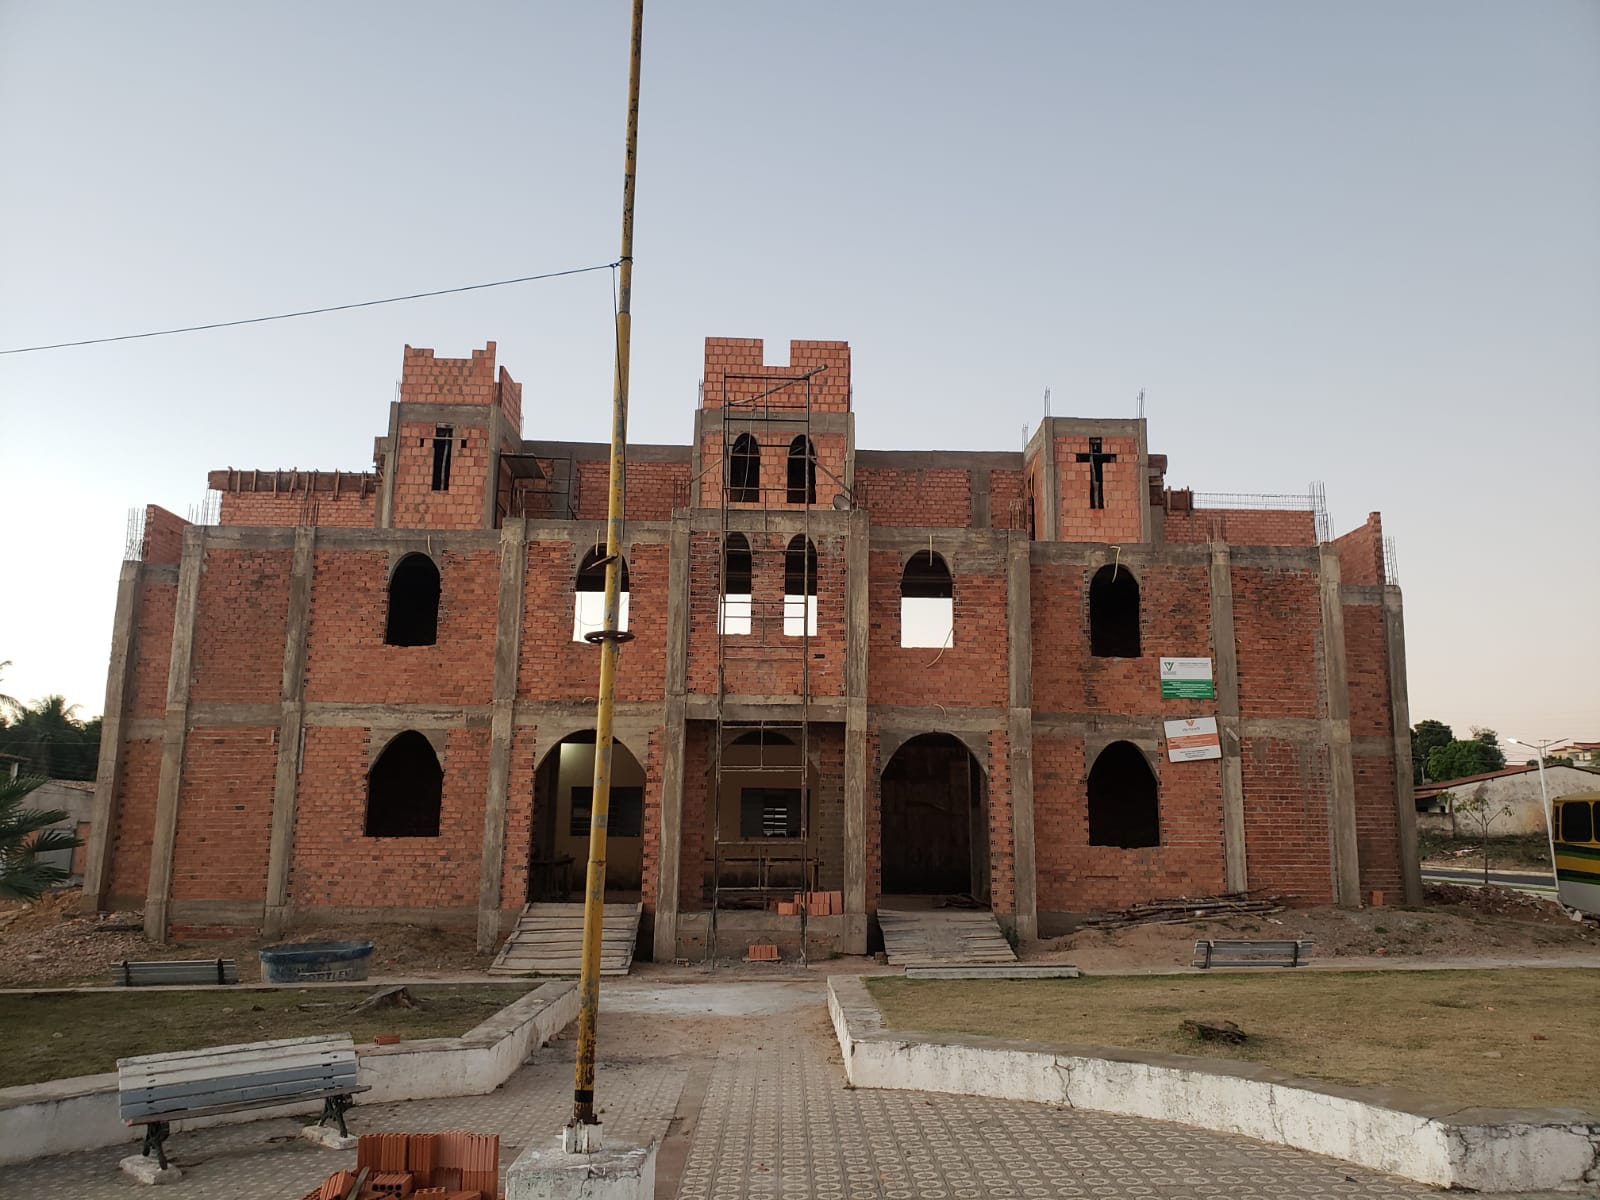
x,y
1189,678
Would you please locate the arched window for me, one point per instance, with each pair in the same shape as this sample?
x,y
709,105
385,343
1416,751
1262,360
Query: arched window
x,y
800,588
802,471
589,603
1123,810
405,789
927,602
736,584
744,470
1114,613
413,603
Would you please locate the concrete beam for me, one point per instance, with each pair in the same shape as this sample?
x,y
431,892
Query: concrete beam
x,y
1394,650
158,893
857,772
290,722
507,656
1019,730
1225,655
108,775
1341,769
669,839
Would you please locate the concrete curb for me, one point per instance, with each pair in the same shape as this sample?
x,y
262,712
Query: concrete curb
x,y
67,1115
1502,1150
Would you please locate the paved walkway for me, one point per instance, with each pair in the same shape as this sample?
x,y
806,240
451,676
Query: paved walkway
x,y
742,1082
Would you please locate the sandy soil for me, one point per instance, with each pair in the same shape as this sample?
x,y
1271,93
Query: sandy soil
x,y
1458,922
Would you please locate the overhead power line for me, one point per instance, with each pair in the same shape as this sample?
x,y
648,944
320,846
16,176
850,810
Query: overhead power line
x,y
310,312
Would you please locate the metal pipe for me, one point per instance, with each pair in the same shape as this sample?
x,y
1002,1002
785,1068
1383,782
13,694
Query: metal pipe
x,y
583,1118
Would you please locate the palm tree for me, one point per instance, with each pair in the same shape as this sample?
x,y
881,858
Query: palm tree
x,y
24,835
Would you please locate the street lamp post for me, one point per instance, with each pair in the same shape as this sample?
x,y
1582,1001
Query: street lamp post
x,y
1539,748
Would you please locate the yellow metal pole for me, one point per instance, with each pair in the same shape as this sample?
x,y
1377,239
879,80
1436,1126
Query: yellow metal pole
x,y
583,1130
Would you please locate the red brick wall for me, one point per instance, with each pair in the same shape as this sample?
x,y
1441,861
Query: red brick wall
x,y
650,489
1286,819
134,821
1119,521
830,450
971,670
1007,492
553,666
335,864
151,650
1073,876
1377,823
1243,527
694,863
347,660
1361,552
163,535
830,390
416,504
225,819
519,820
1002,834
1277,621
1377,826
938,498
349,510
239,626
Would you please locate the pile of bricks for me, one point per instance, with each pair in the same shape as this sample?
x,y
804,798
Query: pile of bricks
x,y
815,904
453,1165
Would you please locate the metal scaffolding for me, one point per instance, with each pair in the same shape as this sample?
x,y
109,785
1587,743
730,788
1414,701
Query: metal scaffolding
x,y
767,636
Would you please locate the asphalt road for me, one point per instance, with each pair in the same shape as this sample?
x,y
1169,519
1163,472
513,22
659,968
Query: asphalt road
x,y
1522,881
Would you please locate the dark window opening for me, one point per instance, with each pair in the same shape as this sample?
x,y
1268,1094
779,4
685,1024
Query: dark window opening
x,y
802,480
589,605
737,566
1114,613
926,578
413,603
624,816
800,567
405,789
1577,824
744,470
443,436
769,812
763,737
1097,479
592,573
1123,809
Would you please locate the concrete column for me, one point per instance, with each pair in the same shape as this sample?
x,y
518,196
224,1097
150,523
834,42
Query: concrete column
x,y
1394,649
669,848
507,656
1225,659
857,771
1336,732
108,775
1019,728
158,894
291,723
391,464
1049,520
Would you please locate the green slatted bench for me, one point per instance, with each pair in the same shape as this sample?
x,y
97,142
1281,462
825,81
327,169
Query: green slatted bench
x,y
158,971
154,1090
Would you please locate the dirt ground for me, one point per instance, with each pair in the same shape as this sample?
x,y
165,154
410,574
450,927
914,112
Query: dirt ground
x,y
1457,922
48,942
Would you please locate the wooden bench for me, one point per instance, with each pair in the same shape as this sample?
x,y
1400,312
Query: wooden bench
x,y
1244,953
205,970
154,1090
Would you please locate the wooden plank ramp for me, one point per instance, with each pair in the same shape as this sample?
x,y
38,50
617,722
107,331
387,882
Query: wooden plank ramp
x,y
943,935
548,940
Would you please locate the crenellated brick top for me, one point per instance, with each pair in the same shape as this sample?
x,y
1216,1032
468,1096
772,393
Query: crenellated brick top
x,y
736,370
428,379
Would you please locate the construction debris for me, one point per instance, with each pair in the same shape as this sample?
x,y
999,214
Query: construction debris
x,y
389,997
1182,909
453,1165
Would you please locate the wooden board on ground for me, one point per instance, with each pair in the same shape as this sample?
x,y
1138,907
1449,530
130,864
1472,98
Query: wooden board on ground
x,y
943,936
548,940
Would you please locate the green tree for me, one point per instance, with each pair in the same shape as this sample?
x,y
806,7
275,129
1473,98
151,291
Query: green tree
x,y
1490,740
50,739
24,835
1479,813
1477,755
1426,737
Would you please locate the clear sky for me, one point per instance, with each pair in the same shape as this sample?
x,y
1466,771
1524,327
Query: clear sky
x,y
1352,242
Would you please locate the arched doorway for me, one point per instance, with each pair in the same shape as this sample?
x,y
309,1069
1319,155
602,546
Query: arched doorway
x,y
934,807
563,785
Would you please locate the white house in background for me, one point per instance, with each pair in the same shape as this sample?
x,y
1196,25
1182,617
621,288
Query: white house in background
x,y
1514,787
1582,754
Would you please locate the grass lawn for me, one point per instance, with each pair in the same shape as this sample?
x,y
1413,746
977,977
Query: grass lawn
x,y
57,1035
1510,1038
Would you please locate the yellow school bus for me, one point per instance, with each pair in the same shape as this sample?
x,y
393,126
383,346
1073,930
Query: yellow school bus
x,y
1576,833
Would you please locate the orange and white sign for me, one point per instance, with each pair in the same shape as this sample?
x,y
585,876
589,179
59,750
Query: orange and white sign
x,y
1193,738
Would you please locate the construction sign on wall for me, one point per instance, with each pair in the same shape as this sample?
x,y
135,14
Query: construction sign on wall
x,y
1187,677
1193,738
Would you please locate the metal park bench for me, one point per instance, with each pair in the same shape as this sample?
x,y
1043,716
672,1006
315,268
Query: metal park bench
x,y
205,970
1244,953
154,1090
